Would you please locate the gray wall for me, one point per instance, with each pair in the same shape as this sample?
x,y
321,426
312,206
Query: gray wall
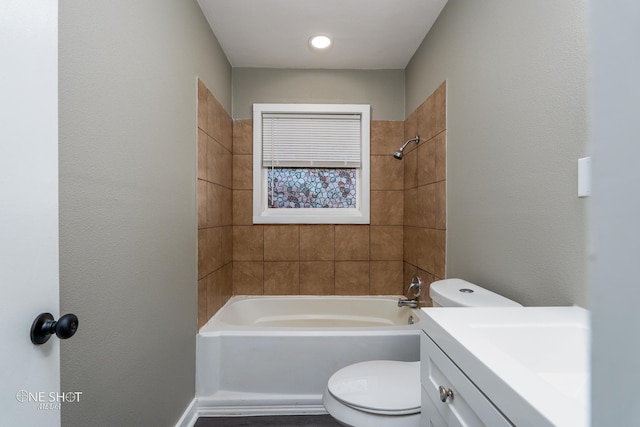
x,y
383,89
516,126
614,210
128,243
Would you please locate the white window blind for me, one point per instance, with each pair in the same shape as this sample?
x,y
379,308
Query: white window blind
x,y
311,140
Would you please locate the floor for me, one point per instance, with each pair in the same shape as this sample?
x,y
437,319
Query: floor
x,y
269,421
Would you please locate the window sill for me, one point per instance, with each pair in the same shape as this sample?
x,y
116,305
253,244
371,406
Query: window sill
x,y
312,216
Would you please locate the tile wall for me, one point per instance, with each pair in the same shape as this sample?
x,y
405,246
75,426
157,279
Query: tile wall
x,y
406,235
321,259
215,204
425,220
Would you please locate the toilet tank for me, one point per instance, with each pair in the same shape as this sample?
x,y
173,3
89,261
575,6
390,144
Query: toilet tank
x,y
460,293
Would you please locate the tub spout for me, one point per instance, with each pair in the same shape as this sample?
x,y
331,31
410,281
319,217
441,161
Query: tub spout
x,y
413,303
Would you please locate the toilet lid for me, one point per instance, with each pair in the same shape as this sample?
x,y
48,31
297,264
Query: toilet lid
x,y
379,386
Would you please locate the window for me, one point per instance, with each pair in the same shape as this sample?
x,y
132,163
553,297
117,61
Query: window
x,y
311,164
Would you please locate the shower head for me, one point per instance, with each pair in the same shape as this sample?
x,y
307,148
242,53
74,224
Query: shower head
x,y
398,154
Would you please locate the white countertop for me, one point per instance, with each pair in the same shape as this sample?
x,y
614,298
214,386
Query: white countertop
x,y
531,362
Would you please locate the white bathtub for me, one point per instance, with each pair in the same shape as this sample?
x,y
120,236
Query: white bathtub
x,y
274,354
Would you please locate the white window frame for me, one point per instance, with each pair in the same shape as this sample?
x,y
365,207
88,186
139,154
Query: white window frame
x,y
262,214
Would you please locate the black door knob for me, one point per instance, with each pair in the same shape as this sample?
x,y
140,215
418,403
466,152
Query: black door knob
x,y
44,326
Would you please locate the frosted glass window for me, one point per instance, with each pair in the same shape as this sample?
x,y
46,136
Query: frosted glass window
x,y
304,188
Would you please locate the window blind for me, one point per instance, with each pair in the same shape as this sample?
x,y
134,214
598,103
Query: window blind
x,y
311,140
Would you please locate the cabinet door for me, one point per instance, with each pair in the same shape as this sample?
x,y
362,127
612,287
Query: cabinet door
x,y
466,406
430,417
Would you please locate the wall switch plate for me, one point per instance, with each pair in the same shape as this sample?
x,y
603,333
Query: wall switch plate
x,y
584,177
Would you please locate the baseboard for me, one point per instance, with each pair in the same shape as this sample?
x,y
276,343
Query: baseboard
x,y
198,409
190,415
253,411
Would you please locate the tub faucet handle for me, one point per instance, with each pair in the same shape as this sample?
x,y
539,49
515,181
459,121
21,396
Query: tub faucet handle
x,y
415,286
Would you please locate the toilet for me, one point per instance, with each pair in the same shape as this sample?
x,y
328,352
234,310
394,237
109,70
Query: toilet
x,y
386,393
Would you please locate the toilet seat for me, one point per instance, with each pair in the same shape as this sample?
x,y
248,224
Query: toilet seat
x,y
381,387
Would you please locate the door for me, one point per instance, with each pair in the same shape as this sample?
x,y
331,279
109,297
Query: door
x,y
29,374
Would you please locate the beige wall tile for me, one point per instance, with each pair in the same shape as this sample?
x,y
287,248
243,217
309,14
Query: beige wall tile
x,y
411,130
226,283
424,230
243,137
386,242
227,206
282,278
410,238
410,161
242,207
227,243
387,173
221,211
426,168
219,244
410,211
386,278
408,245
248,243
425,249
352,242
386,136
213,128
203,172
218,289
215,205
219,205
248,278
242,172
441,205
317,242
281,243
217,116
204,258
427,206
439,252
387,207
352,277
219,164
203,202
440,143
214,291
317,278
226,129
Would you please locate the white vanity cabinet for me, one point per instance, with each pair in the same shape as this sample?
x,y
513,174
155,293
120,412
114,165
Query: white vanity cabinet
x,y
505,366
449,397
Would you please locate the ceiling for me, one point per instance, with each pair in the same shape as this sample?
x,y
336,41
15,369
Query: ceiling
x,y
367,34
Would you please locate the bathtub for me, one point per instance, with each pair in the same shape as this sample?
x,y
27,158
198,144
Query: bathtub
x,y
274,354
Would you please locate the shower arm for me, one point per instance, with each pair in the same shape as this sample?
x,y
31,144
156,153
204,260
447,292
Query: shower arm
x,y
398,154
414,139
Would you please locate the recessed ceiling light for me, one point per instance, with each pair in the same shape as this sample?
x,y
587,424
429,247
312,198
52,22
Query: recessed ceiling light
x,y
320,42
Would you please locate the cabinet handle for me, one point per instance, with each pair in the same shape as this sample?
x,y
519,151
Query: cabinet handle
x,y
445,394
